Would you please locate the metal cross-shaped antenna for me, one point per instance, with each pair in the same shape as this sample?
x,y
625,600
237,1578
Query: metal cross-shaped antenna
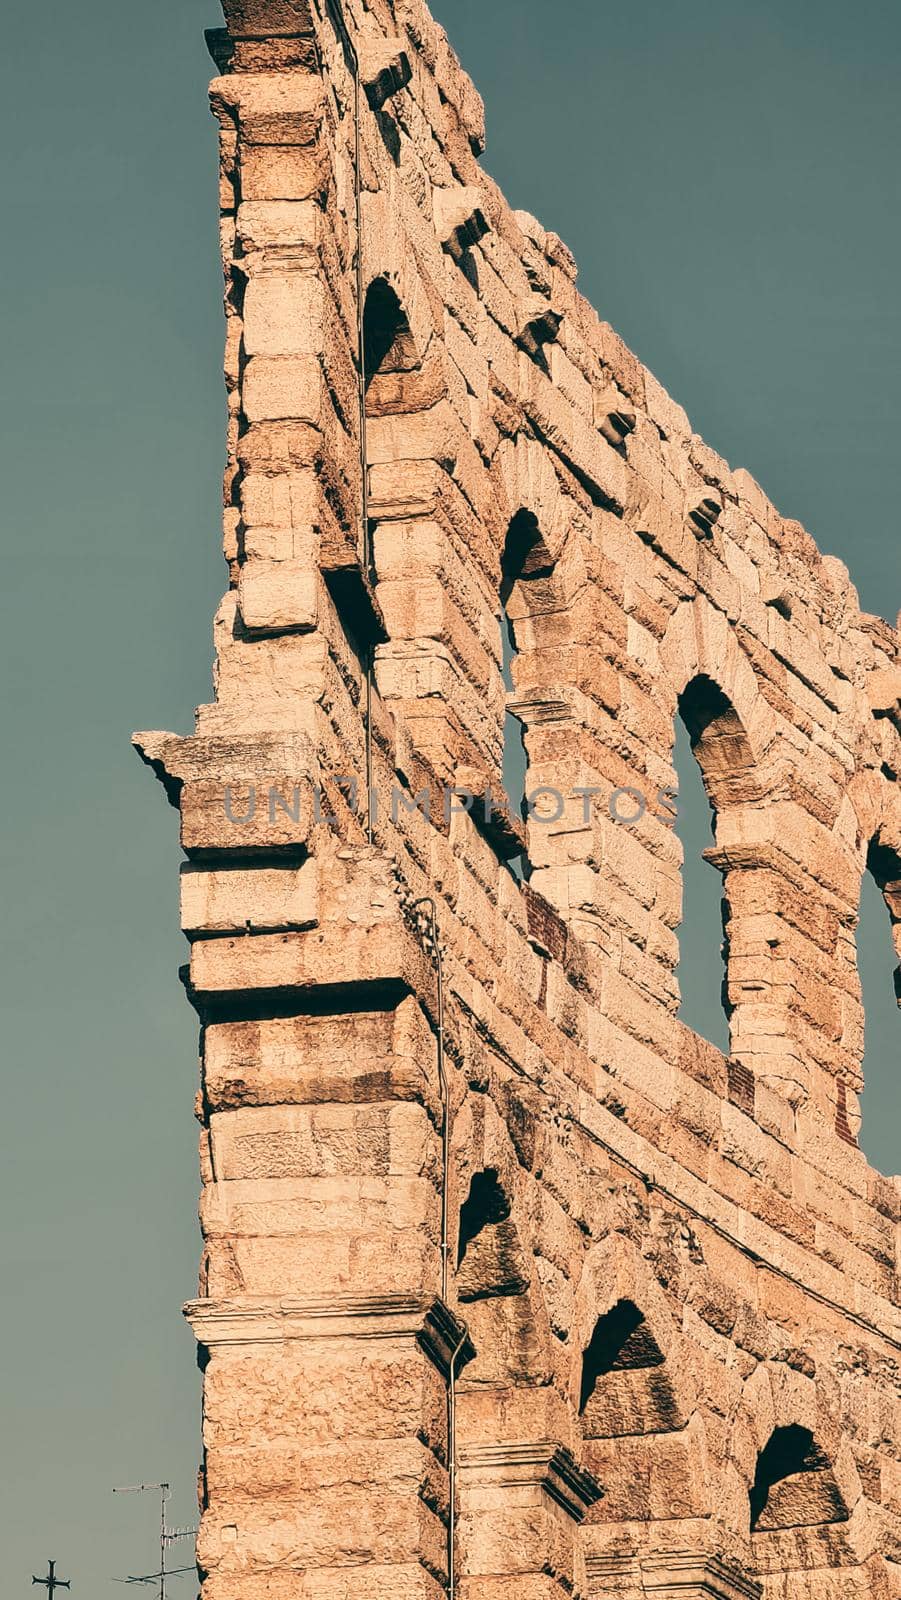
x,y
52,1582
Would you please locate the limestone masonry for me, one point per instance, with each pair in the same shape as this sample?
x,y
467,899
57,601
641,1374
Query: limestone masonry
x,y
512,1285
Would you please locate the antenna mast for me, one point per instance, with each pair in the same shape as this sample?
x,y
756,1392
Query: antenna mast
x,y
167,1535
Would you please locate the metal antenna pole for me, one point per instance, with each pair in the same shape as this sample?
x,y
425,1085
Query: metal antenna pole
x,y
167,1536
164,1492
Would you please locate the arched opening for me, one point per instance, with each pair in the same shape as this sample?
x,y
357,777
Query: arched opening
x,y
718,742
794,1486
701,955
490,1260
880,980
413,668
394,384
391,365
525,558
623,1391
716,771
636,1440
493,1283
622,1342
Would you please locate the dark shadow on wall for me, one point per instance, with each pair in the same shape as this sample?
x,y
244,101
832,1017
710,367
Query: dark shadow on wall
x,y
794,1486
514,763
523,559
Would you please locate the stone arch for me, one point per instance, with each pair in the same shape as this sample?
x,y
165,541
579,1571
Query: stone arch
x,y
542,573
525,481
869,831
402,381
719,742
700,642
530,593
434,669
526,555
873,812
633,1390
562,671
853,1119
794,1485
622,1390
884,863
725,763
801,1497
877,810
491,1263
389,350
625,1342
499,1292
398,379
765,846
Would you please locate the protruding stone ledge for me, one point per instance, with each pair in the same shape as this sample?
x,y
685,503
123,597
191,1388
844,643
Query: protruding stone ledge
x,y
539,323
278,597
237,796
445,1340
532,1468
680,1576
248,898
459,219
704,517
883,690
615,421
277,53
177,760
268,19
252,1321
271,110
385,69
332,958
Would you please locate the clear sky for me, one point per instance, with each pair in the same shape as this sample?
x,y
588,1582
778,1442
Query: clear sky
x,y
727,175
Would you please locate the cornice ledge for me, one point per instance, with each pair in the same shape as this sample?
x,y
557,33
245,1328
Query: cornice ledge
x,y
680,1575
253,1320
541,1464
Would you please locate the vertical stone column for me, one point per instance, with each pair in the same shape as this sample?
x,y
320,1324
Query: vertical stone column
x,y
292,628
791,891
522,1505
326,1351
763,982
324,1427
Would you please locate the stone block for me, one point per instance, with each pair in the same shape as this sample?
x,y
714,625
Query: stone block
x,y
280,896
278,597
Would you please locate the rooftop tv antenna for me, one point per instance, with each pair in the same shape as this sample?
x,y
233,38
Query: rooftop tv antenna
x,y
168,1536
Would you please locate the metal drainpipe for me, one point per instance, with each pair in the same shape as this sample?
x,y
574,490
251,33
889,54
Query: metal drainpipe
x,y
452,1469
428,904
353,61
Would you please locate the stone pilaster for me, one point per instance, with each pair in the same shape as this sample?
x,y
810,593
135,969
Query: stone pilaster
x,y
324,1446
522,1504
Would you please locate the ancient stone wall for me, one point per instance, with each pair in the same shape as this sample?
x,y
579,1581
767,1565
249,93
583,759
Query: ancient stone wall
x,y
512,1285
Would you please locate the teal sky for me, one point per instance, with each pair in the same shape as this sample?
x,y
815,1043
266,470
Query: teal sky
x,y
727,175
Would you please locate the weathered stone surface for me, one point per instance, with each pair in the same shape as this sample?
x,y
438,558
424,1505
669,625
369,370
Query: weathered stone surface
x,y
433,1090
